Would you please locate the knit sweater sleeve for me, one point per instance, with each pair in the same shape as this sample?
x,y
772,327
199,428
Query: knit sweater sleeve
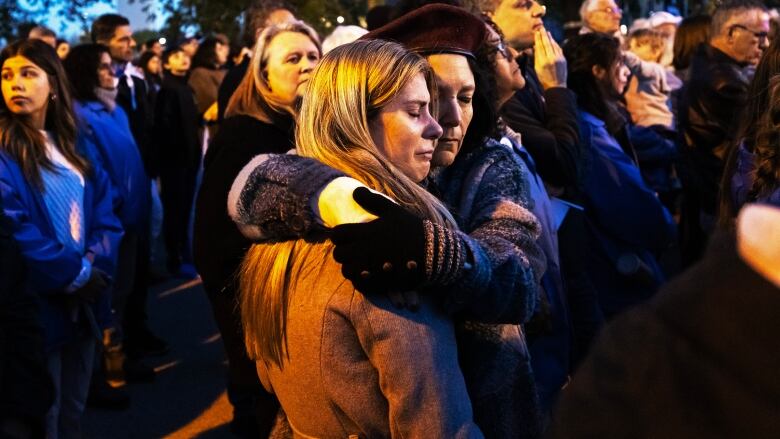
x,y
271,197
496,214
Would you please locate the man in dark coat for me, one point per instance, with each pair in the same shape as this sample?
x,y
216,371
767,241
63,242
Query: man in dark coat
x,y
698,361
710,109
26,391
114,32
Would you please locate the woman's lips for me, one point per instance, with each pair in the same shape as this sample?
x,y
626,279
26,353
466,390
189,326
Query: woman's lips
x,y
427,155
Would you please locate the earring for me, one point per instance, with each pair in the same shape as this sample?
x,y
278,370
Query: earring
x,y
53,97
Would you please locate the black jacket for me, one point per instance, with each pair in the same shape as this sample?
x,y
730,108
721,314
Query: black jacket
x,y
699,361
229,85
547,120
176,124
140,113
710,108
218,245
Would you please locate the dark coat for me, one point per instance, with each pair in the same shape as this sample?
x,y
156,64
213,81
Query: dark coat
x,y
239,140
229,85
26,391
139,108
176,125
710,109
547,120
699,361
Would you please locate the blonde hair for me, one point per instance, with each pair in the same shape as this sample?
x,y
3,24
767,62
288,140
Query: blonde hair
x,y
253,96
349,87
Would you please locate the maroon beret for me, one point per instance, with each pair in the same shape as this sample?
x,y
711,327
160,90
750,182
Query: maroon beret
x,y
434,28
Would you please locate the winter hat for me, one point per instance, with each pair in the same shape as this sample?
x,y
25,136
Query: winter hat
x,y
435,28
658,18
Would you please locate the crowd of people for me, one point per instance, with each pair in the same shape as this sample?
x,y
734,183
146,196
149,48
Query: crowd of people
x,y
445,225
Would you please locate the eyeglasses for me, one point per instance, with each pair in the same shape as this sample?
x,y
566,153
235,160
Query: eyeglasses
x,y
611,10
762,36
503,50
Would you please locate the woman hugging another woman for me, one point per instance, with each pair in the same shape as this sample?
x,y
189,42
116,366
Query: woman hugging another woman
x,y
340,362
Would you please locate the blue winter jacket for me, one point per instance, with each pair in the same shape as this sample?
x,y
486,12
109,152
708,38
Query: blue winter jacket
x,y
626,221
53,267
107,141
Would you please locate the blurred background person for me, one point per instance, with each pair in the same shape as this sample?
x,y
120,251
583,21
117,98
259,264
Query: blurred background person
x,y
627,224
342,35
601,16
710,109
206,74
666,25
189,44
108,142
153,45
151,65
260,118
176,136
114,31
63,47
44,34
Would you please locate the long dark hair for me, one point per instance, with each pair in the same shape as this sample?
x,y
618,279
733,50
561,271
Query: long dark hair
x,y
692,32
757,133
143,64
582,53
81,65
24,142
206,56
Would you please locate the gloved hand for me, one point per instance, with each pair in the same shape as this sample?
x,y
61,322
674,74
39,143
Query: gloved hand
x,y
97,283
397,252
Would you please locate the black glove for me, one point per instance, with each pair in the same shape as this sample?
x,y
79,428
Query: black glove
x,y
396,252
97,283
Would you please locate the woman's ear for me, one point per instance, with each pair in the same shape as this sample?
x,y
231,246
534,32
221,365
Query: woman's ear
x,y
599,72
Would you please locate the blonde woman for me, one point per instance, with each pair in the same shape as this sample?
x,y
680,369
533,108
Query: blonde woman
x,y
342,363
259,120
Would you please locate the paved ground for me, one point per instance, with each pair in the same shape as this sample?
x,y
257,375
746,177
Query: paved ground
x,y
188,397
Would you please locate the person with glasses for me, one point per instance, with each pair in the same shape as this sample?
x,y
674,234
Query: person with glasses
x,y
601,16
108,142
710,108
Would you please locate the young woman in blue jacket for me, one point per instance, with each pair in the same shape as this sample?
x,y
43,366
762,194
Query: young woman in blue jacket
x,y
106,139
60,206
627,224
